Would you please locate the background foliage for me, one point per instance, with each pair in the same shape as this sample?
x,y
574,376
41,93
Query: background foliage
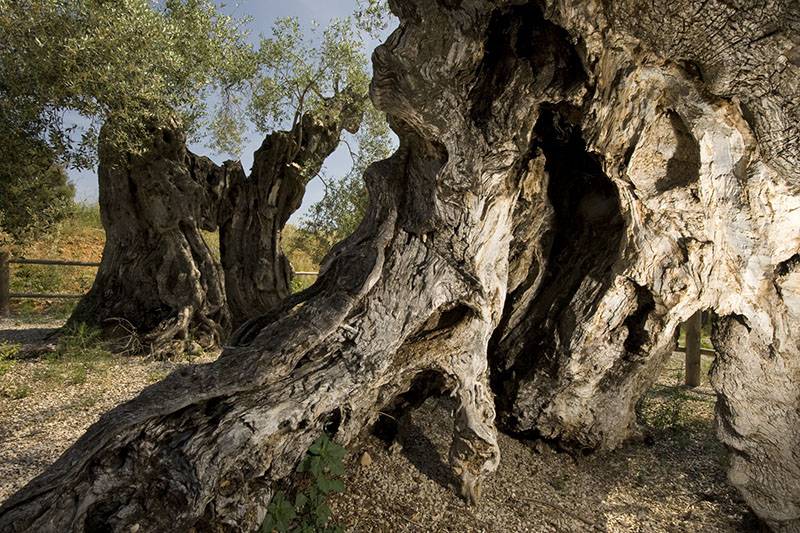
x,y
130,64
32,202
133,61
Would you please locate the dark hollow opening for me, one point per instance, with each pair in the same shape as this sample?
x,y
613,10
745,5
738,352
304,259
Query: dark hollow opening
x,y
519,35
583,245
426,384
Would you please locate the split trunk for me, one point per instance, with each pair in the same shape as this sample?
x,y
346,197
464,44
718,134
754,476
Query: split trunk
x,y
160,286
257,273
574,179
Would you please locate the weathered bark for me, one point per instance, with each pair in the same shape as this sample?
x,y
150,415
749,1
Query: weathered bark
x,y
158,277
630,183
690,125
418,288
757,415
257,272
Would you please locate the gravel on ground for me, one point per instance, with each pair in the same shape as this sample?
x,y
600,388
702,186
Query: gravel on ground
x,y
674,481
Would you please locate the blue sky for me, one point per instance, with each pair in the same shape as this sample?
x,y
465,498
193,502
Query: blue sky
x,y
263,14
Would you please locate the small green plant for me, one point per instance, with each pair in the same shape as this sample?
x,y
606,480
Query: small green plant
x,y
18,392
301,283
76,375
155,376
663,414
7,353
308,511
77,353
81,342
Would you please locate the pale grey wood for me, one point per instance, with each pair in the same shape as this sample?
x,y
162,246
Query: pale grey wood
x,y
691,111
574,180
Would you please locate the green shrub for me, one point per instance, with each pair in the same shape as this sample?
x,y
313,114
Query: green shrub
x,y
32,201
665,414
308,511
7,353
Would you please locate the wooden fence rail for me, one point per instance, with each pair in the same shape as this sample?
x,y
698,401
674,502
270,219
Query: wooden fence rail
x,y
5,279
24,261
703,351
692,348
5,282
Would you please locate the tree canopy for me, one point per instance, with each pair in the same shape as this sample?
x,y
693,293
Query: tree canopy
x,y
135,61
64,62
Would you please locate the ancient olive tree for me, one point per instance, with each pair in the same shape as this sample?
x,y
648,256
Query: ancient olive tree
x,y
136,66
670,188
158,276
318,93
417,289
571,183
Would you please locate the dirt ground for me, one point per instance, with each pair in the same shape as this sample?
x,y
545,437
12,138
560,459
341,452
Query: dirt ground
x,y
673,482
46,403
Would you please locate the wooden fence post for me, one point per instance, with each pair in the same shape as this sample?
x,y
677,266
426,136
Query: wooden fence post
x,y
693,328
5,285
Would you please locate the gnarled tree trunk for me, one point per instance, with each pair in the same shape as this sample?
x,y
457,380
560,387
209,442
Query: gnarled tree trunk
x,y
257,273
680,194
158,277
610,183
417,289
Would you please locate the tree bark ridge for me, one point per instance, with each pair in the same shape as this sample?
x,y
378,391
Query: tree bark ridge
x,y
158,277
568,189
